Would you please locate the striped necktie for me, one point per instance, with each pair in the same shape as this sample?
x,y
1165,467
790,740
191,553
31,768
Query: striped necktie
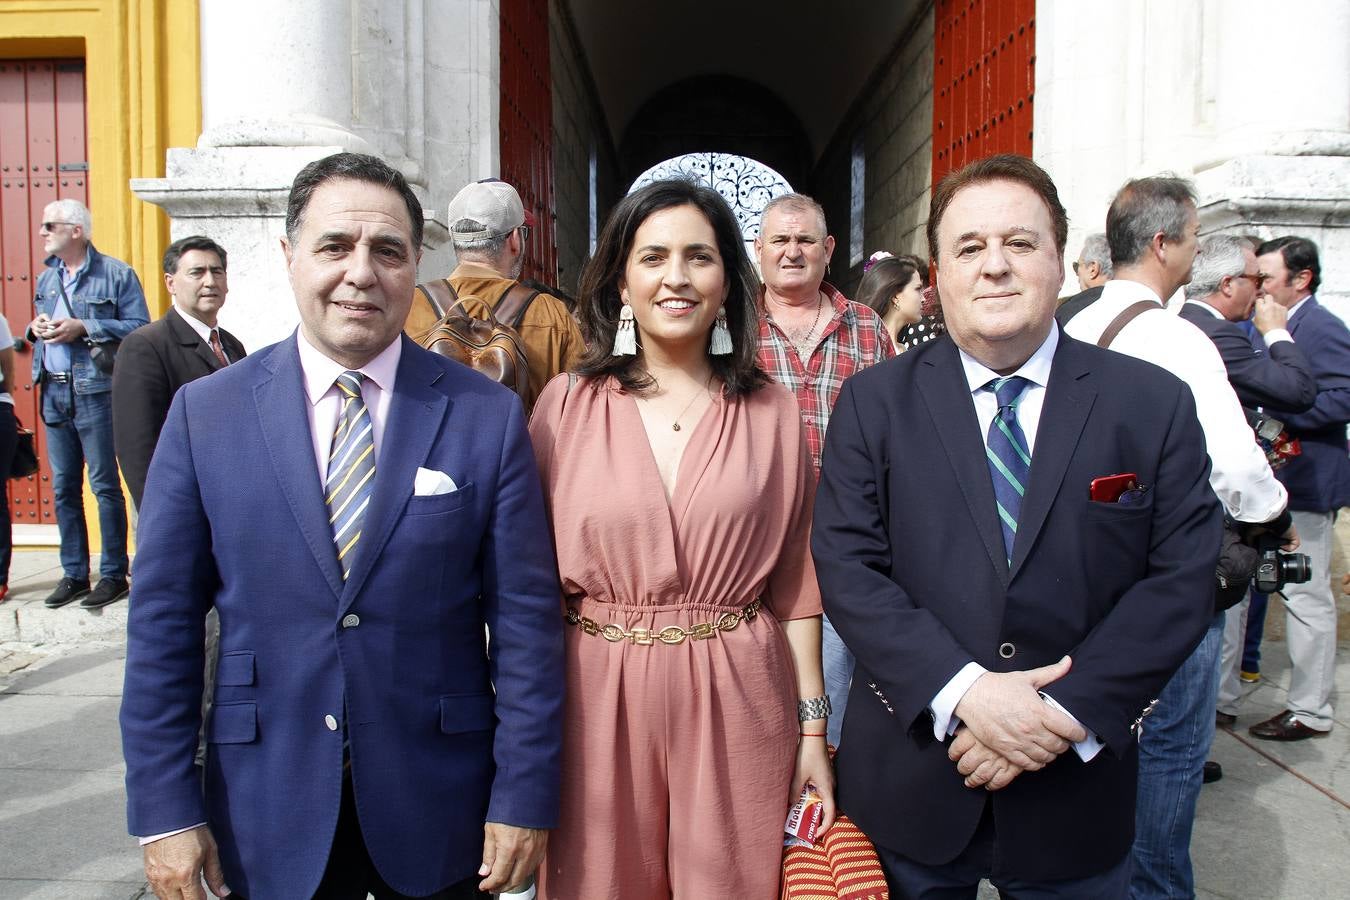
x,y
351,470
1009,455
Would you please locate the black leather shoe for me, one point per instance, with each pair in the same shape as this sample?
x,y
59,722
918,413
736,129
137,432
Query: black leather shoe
x,y
67,590
1284,727
106,591
1212,772
1224,720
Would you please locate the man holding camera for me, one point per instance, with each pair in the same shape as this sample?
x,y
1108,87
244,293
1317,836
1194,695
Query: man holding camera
x,y
1318,481
1152,228
86,304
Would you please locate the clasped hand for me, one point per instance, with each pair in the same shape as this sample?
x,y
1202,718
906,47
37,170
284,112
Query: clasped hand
x,y
1007,729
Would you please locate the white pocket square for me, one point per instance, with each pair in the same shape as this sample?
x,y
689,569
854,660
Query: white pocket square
x,y
429,483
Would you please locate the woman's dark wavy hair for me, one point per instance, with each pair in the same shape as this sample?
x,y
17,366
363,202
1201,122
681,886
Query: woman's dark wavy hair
x,y
600,302
888,277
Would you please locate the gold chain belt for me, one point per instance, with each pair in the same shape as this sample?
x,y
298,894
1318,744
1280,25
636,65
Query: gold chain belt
x,y
671,634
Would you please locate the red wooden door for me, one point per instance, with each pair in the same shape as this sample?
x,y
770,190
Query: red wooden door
x,y
984,80
527,126
42,158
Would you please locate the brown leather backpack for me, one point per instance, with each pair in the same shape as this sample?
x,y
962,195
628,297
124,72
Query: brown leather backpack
x,y
486,342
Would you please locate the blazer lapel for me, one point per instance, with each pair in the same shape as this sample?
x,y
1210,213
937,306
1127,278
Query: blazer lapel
x,y
190,339
1068,400
281,403
942,386
416,413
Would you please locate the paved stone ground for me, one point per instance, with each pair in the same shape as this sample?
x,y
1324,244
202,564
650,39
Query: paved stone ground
x,y
1277,826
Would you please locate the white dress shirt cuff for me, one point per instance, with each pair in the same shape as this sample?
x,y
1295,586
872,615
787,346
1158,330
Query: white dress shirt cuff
x,y
1089,746
159,837
943,707
1276,334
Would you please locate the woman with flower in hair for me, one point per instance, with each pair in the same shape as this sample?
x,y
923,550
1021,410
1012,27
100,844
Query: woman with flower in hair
x,y
679,488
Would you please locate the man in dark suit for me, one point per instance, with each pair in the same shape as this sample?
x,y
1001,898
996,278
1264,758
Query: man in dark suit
x,y
359,511
157,359
1225,289
1009,647
1318,481
1093,269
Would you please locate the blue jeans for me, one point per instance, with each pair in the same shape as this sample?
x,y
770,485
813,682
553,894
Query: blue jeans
x,y
838,663
1256,629
79,431
1172,751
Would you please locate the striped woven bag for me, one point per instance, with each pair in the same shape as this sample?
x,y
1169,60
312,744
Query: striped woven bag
x,y
841,866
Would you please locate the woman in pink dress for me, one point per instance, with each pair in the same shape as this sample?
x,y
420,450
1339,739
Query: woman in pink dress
x,y
680,491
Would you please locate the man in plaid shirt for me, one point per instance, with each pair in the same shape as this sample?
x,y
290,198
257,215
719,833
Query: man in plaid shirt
x,y
811,338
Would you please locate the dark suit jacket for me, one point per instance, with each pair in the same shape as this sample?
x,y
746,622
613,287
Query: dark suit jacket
x,y
1319,479
445,731
914,577
154,361
1280,377
1076,304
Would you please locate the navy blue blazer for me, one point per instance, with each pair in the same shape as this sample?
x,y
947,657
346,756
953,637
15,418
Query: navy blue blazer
x,y
1279,376
1319,479
446,730
914,577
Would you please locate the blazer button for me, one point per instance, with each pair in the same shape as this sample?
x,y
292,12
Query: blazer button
x,y
1007,650
330,722
351,620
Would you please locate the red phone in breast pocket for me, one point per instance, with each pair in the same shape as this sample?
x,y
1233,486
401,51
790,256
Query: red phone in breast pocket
x,y
1108,488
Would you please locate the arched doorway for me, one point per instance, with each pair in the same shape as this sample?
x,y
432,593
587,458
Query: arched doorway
x,y
746,184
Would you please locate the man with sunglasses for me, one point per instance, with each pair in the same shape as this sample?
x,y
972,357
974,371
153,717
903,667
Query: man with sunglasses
x,y
83,300
1225,290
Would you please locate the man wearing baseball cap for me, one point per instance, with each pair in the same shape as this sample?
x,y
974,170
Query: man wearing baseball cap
x,y
490,230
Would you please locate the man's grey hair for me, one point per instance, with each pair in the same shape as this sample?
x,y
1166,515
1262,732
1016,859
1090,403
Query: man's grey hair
x,y
1220,257
488,246
1096,250
798,203
1144,207
75,213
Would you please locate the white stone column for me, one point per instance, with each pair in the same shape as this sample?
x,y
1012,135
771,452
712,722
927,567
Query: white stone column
x,y
277,74
1250,101
285,82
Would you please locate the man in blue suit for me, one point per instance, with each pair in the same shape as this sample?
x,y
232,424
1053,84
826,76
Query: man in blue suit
x,y
1015,535
1318,481
1224,294
357,510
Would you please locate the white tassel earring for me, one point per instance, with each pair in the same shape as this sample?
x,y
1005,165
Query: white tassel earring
x,y
625,336
721,335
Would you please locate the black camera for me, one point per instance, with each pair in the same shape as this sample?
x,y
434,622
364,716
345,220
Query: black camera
x,y
1274,568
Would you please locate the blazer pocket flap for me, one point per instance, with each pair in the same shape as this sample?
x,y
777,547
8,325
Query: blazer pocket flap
x,y
235,668
430,504
468,712
234,723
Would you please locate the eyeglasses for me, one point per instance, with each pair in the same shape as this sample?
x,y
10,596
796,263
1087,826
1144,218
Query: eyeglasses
x,y
51,226
525,233
1257,280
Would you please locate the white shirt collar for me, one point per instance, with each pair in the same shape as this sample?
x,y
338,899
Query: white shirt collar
x,y
1206,307
1036,369
1295,308
203,330
321,372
